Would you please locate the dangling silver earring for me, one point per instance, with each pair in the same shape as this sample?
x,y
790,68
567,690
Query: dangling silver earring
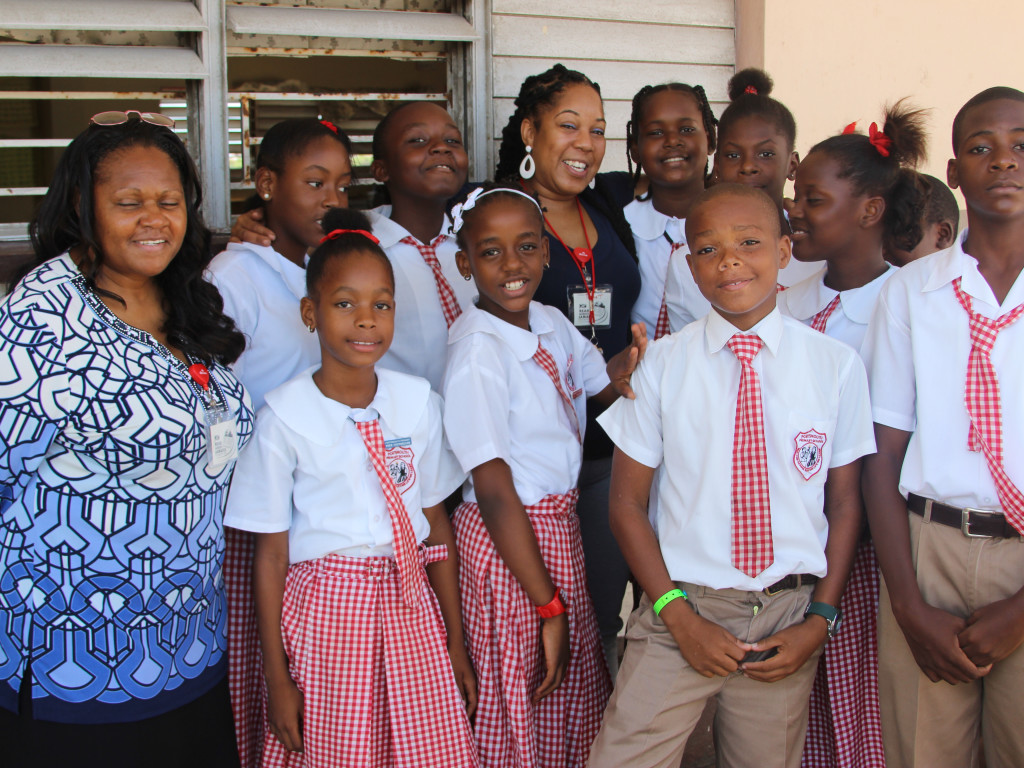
x,y
527,167
593,182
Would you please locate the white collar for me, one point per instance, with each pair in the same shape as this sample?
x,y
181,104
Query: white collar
x,y
293,276
389,232
810,296
300,404
718,330
945,266
648,223
523,343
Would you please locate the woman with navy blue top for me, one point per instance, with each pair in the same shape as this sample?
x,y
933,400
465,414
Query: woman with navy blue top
x,y
552,147
119,425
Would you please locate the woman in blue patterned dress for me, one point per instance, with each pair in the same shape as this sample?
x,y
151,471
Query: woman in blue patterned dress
x,y
119,423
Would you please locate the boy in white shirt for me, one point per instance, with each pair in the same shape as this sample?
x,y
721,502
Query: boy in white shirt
x,y
757,514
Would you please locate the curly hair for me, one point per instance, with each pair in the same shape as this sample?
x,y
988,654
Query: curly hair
x,y
538,92
636,117
195,321
889,176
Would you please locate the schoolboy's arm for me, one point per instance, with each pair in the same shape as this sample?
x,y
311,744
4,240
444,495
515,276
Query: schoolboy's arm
x,y
444,578
621,366
796,643
707,647
284,700
248,228
931,632
510,529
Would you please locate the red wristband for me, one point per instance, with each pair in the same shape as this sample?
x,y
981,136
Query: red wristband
x,y
555,608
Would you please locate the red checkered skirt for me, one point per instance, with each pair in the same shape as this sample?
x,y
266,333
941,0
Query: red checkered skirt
x,y
377,683
844,729
245,664
503,631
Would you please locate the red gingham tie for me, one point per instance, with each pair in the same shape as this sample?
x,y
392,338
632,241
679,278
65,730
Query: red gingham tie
x,y
449,304
981,396
401,526
752,550
544,359
820,320
662,327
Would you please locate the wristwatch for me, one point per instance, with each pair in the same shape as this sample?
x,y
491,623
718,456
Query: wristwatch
x,y
833,616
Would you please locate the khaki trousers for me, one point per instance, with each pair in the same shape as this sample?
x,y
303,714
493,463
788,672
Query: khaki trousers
x,y
659,698
937,725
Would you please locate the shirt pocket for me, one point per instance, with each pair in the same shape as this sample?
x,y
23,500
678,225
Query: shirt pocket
x,y
809,447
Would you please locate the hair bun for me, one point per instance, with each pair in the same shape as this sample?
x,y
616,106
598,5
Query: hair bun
x,y
905,128
344,218
750,80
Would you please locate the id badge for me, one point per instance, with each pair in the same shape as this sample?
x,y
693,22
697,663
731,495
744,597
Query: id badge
x,y
579,306
221,437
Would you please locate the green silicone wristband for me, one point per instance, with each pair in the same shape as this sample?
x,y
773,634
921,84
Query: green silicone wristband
x,y
668,597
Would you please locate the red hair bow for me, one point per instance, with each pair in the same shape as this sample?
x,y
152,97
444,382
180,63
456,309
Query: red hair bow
x,y
851,128
879,140
751,90
330,125
339,232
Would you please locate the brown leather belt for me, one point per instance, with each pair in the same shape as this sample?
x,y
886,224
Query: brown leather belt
x,y
792,581
975,523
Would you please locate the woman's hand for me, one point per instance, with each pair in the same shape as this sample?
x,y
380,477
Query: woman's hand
x,y
554,642
465,678
285,713
248,228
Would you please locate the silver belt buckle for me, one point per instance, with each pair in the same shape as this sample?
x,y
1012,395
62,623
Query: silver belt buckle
x,y
965,522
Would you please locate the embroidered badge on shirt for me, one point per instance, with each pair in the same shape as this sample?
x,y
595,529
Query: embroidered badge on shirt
x,y
398,456
570,382
807,456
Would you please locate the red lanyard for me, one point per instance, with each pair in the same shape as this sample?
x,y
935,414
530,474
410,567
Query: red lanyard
x,y
581,257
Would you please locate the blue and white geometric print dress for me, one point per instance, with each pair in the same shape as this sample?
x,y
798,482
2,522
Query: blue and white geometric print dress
x,y
110,517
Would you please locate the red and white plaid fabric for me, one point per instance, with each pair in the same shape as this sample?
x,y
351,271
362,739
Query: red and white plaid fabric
x,y
377,683
245,662
503,631
449,304
844,727
544,359
820,320
662,327
752,549
779,287
981,396
401,526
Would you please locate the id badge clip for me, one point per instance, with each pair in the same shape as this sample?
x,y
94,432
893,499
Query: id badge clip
x,y
221,430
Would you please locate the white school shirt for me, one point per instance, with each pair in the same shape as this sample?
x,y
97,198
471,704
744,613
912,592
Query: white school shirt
x,y
650,228
261,291
307,470
916,349
421,333
849,321
504,406
813,388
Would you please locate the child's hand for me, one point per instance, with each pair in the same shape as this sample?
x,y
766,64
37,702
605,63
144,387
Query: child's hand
x,y
554,642
708,648
465,679
933,637
285,713
620,368
248,228
795,645
993,632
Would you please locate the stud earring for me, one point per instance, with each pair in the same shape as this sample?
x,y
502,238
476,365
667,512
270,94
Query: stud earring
x,y
266,195
527,167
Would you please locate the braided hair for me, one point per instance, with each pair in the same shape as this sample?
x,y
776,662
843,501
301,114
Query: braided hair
x,y
537,93
636,117
888,175
750,95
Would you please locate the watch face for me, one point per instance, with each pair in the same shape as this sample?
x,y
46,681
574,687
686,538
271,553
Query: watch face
x,y
832,616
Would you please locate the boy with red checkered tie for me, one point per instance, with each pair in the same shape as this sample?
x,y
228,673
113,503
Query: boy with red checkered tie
x,y
943,493
748,428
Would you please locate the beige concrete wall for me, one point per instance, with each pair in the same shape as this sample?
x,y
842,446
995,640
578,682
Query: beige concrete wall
x,y
837,61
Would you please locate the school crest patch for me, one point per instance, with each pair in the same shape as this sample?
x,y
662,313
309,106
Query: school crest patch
x,y
808,454
398,456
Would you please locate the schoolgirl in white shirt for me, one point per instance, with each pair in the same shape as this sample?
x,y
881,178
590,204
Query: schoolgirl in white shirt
x,y
302,171
520,374
344,489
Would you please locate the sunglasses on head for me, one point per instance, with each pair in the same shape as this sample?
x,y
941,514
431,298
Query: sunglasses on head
x,y
115,117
